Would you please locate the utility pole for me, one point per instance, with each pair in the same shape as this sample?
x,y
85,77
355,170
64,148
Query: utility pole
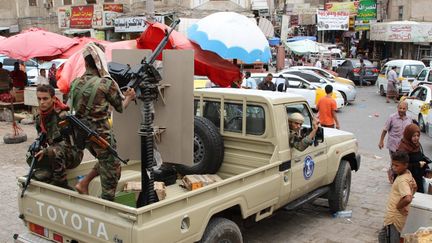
x,y
150,8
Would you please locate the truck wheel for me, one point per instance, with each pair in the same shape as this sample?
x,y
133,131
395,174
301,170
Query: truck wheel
x,y
208,149
222,230
340,188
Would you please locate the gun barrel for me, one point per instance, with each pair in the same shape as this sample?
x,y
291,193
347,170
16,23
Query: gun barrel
x,y
163,42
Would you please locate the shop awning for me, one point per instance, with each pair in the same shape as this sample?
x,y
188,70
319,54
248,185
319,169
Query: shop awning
x,y
259,4
184,25
76,31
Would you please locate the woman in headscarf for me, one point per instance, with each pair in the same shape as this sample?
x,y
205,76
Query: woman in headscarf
x,y
410,143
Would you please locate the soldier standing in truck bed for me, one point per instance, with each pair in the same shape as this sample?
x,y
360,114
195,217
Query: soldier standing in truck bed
x,y
91,96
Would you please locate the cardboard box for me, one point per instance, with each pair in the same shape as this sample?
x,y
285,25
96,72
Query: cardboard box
x,y
19,95
135,186
193,182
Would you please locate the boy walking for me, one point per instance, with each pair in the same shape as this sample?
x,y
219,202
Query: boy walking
x,y
399,200
327,109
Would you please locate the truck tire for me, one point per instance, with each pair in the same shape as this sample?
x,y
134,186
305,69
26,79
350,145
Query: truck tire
x,y
222,230
208,149
340,188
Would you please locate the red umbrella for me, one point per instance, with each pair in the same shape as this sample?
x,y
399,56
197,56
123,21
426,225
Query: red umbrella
x,y
82,41
74,67
207,63
35,42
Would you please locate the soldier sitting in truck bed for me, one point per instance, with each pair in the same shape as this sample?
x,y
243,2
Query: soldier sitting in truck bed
x,y
296,140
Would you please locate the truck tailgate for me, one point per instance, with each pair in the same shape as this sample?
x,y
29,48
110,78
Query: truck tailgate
x,y
78,217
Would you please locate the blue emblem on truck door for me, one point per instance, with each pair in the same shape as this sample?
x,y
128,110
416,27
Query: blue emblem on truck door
x,y
308,168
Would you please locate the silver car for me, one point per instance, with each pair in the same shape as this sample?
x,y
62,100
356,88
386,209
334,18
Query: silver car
x,y
348,92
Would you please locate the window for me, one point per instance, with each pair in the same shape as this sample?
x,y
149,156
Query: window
x,y
233,116
400,15
430,77
109,1
302,109
415,92
411,71
32,2
422,75
422,94
91,1
67,2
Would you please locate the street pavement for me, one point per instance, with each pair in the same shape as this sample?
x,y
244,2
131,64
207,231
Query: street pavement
x,y
310,223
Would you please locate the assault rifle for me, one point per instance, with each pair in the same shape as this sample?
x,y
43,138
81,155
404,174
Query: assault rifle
x,y
71,122
34,148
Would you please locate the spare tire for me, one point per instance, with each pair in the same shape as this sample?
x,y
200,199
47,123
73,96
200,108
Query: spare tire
x,y
208,149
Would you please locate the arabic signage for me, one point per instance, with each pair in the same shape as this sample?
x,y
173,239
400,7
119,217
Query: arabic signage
x,y
88,16
303,8
401,32
64,17
81,16
332,20
367,10
346,7
132,24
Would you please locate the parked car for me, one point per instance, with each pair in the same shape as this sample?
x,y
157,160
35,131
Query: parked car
x,y
350,69
31,67
407,71
418,105
425,75
347,91
325,73
297,85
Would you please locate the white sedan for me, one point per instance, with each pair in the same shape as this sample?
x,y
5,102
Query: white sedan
x,y
418,105
297,85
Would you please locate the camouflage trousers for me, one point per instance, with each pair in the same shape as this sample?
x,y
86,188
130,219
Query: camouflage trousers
x,y
56,160
108,168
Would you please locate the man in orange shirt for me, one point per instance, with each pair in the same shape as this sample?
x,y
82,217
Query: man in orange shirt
x,y
327,109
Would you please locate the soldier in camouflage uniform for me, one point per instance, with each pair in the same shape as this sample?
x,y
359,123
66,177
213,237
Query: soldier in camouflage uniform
x,y
59,155
91,95
297,141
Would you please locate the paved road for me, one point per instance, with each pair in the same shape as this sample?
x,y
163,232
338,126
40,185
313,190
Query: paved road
x,y
311,223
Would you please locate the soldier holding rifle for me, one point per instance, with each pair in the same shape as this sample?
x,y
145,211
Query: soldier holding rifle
x,y
90,96
51,162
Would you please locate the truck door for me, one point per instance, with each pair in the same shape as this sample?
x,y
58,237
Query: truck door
x,y
309,167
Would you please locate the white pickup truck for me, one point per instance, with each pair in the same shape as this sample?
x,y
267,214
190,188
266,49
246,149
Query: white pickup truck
x,y
260,174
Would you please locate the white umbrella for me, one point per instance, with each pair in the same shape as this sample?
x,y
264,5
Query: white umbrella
x,y
231,36
303,46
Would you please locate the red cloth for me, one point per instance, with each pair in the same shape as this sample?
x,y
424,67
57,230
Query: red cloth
x,y
19,79
207,63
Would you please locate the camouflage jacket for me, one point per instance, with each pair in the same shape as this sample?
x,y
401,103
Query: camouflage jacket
x,y
51,124
298,142
105,92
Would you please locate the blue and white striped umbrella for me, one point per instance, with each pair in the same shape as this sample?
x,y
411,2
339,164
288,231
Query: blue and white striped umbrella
x,y
231,36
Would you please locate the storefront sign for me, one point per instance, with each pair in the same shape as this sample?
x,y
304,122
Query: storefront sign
x,y
303,8
132,24
346,7
63,14
401,32
332,20
81,16
367,10
111,7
